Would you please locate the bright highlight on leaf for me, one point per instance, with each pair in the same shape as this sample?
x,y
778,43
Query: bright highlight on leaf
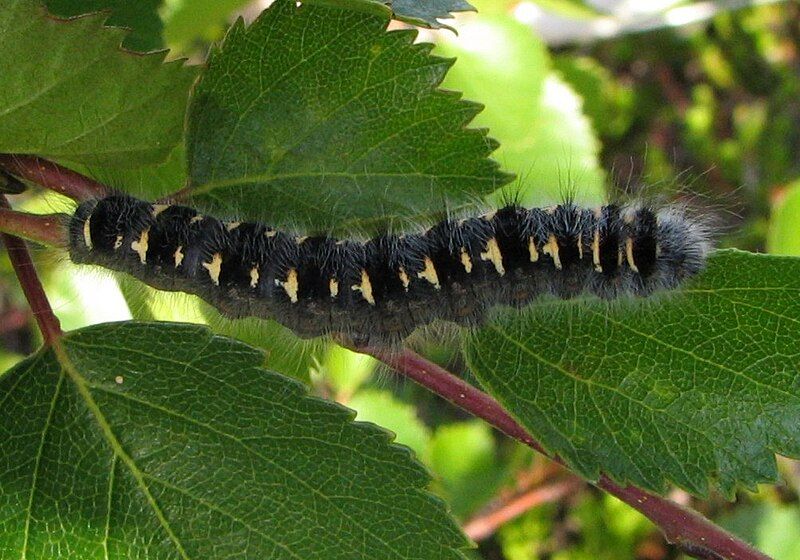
x,y
319,114
70,92
154,441
699,388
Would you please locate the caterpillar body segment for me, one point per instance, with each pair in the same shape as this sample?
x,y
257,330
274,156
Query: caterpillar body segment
x,y
380,290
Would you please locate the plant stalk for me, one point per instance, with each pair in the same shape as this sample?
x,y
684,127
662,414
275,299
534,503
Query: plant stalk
x,y
686,529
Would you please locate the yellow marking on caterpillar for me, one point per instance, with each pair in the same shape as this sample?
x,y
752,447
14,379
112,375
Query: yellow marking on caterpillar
x,y
465,260
598,212
580,247
87,233
254,277
620,257
230,226
291,286
429,273
658,250
178,256
333,286
214,268
596,251
551,248
158,208
365,287
270,233
140,246
118,242
489,216
494,255
198,218
532,249
300,239
629,254
404,278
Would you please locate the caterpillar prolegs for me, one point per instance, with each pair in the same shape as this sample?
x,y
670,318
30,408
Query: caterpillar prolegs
x,y
381,289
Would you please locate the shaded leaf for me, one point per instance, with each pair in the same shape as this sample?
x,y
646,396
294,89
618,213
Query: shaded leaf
x,y
141,17
69,92
162,441
317,113
428,12
691,387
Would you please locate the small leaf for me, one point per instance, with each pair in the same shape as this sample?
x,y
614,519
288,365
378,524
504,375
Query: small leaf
x,y
69,92
141,17
427,12
162,441
694,387
319,114
783,238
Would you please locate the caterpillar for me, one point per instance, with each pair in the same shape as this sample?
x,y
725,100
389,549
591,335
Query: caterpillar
x,y
382,289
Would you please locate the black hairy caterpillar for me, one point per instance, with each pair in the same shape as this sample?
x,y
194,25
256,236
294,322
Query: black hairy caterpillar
x,y
381,289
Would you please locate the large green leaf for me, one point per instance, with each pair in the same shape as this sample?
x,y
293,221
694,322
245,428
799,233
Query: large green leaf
x,y
141,17
695,387
318,113
153,440
70,92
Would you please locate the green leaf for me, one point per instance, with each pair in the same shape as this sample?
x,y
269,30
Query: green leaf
x,y
319,114
141,17
783,238
162,441
187,21
383,409
69,92
694,387
544,136
463,457
772,528
427,12
345,371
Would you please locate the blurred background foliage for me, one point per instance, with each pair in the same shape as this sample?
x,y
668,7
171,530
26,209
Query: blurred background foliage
x,y
696,101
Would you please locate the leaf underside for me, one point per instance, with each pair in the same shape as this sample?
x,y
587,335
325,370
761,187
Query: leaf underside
x,y
699,387
318,115
148,440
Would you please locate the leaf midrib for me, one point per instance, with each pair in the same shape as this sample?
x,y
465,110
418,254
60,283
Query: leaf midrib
x,y
80,384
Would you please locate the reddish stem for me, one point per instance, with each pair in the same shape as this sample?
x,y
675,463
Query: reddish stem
x,y
53,176
45,229
31,286
484,526
688,530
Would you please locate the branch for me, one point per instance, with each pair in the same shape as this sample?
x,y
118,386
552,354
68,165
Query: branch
x,y
484,526
31,286
46,229
692,533
53,176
